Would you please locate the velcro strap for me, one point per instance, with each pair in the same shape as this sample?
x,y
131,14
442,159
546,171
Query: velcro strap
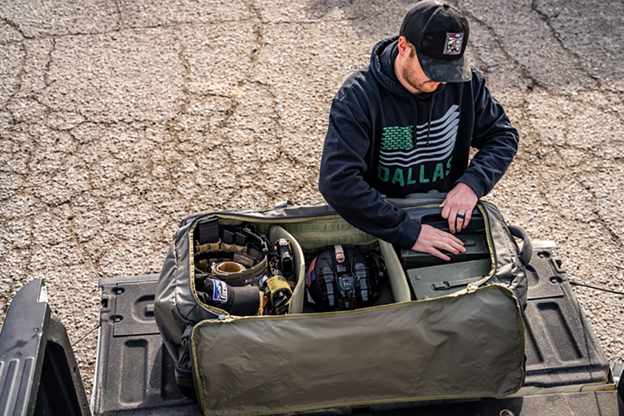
x,y
234,247
276,284
210,246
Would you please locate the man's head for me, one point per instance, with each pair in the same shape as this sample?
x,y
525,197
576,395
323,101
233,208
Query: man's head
x,y
438,34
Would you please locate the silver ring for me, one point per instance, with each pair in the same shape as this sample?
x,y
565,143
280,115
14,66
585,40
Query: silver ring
x,y
460,216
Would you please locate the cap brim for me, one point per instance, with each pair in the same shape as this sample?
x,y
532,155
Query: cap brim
x,y
439,70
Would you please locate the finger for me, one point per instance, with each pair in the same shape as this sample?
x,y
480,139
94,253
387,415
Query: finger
x,y
453,247
445,210
468,215
460,222
449,243
452,221
455,243
447,247
444,236
439,254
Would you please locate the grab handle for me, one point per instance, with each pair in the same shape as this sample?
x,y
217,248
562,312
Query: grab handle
x,y
527,248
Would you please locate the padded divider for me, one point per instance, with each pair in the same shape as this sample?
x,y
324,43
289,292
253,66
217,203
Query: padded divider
x,y
395,273
296,303
318,233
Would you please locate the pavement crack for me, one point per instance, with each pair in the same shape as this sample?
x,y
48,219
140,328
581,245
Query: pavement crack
x,y
257,31
186,76
555,34
599,218
14,26
524,71
46,74
18,80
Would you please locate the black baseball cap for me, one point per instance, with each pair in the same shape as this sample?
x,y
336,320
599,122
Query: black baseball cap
x,y
439,33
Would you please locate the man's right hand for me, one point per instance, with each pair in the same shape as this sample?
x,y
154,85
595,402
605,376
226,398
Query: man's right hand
x,y
431,240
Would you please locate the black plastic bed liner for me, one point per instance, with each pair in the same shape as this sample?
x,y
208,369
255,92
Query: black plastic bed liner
x,y
135,373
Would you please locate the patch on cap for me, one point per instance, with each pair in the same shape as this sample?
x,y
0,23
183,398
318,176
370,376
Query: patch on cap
x,y
220,292
453,45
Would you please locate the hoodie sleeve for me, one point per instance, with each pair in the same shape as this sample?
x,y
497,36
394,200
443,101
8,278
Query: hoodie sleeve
x,y
343,169
494,137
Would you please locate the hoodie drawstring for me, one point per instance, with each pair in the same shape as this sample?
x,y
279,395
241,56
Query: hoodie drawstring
x,y
415,113
430,114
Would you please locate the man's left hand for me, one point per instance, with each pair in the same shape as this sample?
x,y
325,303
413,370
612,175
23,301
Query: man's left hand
x,y
458,206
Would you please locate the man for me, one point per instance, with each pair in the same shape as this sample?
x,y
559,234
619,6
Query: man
x,y
405,123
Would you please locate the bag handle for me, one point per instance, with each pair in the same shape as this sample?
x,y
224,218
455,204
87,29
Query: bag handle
x,y
527,248
283,204
434,212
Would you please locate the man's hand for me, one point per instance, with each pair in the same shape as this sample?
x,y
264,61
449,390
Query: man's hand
x,y
458,206
431,240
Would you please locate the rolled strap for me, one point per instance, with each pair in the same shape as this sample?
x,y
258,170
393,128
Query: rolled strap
x,y
244,259
227,268
204,259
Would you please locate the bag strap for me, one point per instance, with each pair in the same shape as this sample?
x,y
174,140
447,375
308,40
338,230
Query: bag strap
x,y
527,248
232,278
445,285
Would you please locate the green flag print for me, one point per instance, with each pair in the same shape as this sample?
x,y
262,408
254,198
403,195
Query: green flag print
x,y
397,138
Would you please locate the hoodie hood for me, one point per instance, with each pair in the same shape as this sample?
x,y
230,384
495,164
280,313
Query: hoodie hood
x,y
382,66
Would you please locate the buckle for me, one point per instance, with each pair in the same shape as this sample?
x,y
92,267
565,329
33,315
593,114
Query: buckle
x,y
340,257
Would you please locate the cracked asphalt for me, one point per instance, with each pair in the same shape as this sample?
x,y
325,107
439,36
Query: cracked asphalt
x,y
118,118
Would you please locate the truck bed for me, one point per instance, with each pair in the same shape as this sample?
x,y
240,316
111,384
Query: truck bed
x,y
565,366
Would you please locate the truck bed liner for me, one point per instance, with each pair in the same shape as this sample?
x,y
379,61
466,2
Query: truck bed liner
x,y
134,374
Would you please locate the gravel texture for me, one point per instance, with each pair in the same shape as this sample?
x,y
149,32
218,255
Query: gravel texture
x,y
119,118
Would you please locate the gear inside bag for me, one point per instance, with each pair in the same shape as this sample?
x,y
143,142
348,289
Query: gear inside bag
x,y
239,269
256,269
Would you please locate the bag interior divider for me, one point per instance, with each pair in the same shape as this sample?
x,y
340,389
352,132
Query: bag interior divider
x,y
297,301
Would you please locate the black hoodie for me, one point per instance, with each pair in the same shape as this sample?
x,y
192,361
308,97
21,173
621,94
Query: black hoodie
x,y
372,147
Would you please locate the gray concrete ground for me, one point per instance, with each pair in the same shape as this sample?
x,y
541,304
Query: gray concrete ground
x,y
118,118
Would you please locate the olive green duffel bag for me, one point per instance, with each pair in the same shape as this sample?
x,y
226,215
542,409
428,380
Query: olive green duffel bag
x,y
466,344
